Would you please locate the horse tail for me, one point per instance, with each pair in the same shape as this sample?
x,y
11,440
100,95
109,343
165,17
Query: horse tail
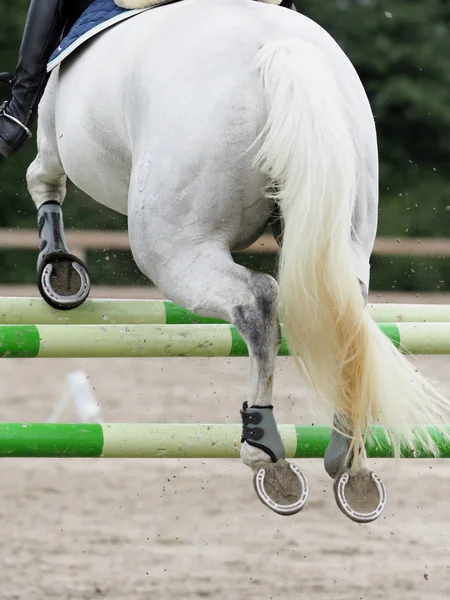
x,y
309,155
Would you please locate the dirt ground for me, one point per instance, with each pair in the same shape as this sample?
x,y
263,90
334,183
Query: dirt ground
x,y
182,530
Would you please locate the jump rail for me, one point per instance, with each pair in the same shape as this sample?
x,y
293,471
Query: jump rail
x,y
99,341
34,311
128,440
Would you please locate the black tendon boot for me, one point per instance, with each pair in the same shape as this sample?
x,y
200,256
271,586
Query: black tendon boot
x,y
43,31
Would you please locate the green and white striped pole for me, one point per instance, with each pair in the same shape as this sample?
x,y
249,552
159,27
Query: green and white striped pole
x,y
34,311
99,341
153,440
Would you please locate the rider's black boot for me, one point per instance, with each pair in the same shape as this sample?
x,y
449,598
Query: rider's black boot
x,y
43,31
46,23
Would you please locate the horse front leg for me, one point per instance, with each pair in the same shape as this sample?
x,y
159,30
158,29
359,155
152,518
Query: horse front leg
x,y
62,278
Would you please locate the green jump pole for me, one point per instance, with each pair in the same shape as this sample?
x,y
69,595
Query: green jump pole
x,y
99,341
153,440
34,311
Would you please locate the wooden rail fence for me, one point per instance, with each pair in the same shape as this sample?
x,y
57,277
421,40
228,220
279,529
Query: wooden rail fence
x,y
80,242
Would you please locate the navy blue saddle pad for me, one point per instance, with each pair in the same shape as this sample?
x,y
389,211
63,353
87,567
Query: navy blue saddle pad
x,y
99,16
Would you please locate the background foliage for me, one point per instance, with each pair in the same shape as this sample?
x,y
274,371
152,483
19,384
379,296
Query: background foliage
x,y
401,49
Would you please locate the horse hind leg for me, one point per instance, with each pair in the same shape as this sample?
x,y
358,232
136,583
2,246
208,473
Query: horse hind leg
x,y
280,485
213,286
360,494
63,279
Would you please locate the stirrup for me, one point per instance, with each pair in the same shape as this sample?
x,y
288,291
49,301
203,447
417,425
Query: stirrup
x,y
3,113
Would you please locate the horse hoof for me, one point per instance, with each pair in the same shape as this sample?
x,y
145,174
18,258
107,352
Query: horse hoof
x,y
63,281
361,497
281,486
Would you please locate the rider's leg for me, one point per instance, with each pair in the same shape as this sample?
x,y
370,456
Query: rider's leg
x,y
44,28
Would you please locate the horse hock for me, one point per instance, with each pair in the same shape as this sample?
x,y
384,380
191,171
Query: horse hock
x,y
280,485
63,279
360,495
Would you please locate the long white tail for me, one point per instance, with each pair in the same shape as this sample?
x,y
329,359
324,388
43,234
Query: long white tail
x,y
310,156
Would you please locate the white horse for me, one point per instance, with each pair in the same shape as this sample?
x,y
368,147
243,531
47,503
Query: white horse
x,y
196,120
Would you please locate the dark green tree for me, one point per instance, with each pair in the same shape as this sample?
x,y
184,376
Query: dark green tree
x,y
401,50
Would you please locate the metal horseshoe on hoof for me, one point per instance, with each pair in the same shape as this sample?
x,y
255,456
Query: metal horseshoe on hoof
x,y
361,497
63,280
281,486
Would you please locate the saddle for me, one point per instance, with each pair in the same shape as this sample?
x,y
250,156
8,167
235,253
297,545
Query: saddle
x,y
138,4
102,14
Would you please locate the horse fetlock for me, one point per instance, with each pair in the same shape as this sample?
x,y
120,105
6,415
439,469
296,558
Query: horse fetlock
x,y
260,431
280,485
252,456
336,455
359,493
51,229
63,279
